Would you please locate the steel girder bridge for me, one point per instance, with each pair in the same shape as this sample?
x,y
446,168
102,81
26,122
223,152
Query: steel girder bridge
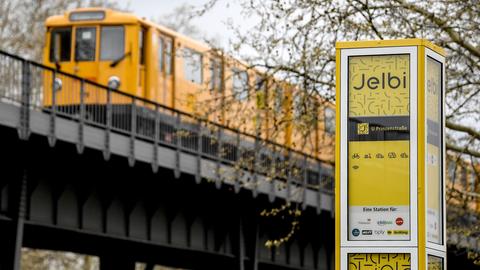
x,y
115,179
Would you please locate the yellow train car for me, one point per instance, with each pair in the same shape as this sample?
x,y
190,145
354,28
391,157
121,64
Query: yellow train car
x,y
149,61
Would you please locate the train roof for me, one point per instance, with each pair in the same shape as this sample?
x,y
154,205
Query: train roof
x,y
113,16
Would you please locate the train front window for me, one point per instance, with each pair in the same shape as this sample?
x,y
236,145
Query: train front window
x,y
112,44
85,40
60,44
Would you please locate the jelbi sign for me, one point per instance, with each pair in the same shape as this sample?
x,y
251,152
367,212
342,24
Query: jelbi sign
x,y
378,144
390,155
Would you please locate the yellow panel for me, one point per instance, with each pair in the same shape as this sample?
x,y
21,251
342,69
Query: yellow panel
x,y
379,173
338,215
434,88
434,155
379,261
432,179
379,147
379,85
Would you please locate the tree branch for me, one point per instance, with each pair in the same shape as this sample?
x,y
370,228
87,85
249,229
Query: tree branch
x,y
463,150
442,25
470,131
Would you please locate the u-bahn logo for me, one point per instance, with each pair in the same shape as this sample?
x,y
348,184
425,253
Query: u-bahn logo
x,y
363,129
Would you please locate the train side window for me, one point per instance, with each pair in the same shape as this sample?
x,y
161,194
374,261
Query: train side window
x,y
160,54
329,121
278,99
112,42
240,84
259,83
298,105
463,177
192,63
60,44
451,170
141,45
85,43
168,55
215,75
472,181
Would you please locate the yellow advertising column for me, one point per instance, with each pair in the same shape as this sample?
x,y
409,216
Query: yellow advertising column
x,y
390,203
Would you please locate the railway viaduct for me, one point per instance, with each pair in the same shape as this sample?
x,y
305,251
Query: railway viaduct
x,y
72,182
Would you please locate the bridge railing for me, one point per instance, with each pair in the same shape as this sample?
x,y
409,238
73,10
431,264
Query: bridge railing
x,y
38,87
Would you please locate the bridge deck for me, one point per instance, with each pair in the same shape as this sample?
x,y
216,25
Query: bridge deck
x,y
88,184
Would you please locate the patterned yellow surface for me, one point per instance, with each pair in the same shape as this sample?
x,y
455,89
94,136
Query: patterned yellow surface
x,y
379,261
379,85
435,263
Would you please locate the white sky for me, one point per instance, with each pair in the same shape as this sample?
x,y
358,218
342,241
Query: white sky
x,y
212,23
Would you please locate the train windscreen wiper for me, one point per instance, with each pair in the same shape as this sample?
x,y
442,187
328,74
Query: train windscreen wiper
x,y
120,59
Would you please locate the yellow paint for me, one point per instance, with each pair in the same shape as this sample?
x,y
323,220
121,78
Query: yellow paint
x,y
377,261
378,171
172,89
338,214
433,77
434,207
421,137
430,110
432,180
377,181
383,72
390,43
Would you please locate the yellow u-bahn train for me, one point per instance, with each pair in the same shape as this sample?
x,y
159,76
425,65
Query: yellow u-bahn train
x,y
138,57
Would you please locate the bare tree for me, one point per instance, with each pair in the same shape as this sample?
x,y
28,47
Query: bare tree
x,y
295,41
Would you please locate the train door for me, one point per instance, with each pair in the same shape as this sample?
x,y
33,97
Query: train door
x,y
142,38
165,91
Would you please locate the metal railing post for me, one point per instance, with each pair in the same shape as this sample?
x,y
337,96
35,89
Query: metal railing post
x,y
53,113
108,125
237,165
256,150
156,139
81,118
288,168
198,175
271,195
218,181
24,123
304,182
133,132
177,144
319,193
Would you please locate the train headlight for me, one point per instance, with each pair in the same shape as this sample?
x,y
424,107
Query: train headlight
x,y
114,82
57,84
